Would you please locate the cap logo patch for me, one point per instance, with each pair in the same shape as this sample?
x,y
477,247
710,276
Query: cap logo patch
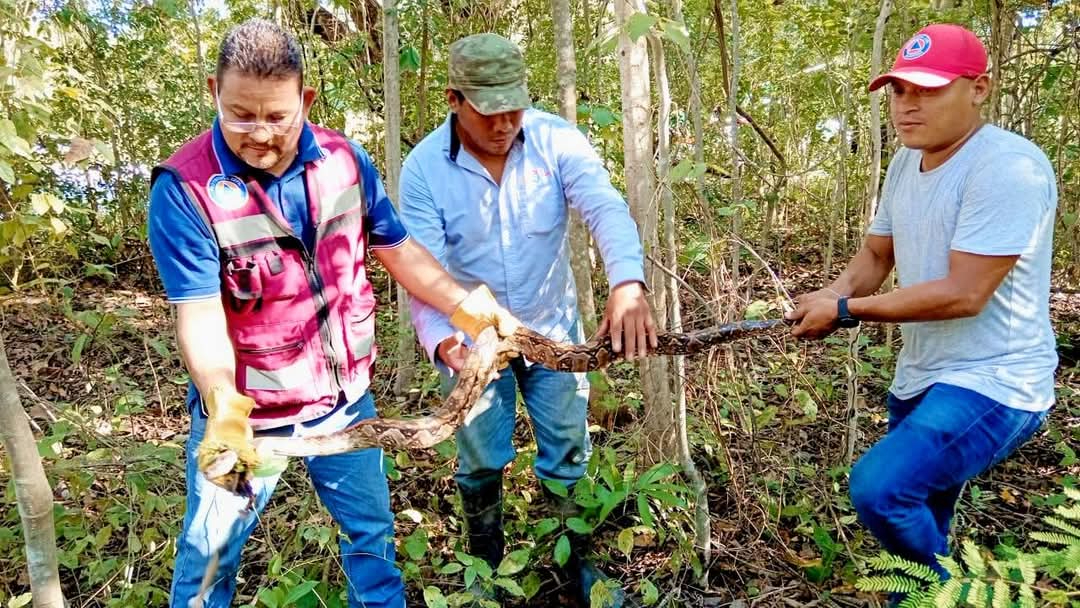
x,y
916,47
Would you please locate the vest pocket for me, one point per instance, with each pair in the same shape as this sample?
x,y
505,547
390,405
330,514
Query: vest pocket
x,y
359,322
274,365
283,274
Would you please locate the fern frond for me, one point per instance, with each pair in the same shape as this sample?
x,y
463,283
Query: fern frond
x,y
892,583
973,558
917,599
1054,538
950,566
948,595
976,595
1064,526
1027,596
920,571
1073,493
1027,569
1072,512
888,561
1001,594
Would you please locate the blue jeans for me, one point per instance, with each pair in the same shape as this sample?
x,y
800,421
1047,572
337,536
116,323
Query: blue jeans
x,y
906,486
352,486
557,403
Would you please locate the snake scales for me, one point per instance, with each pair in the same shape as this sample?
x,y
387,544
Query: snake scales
x,y
486,358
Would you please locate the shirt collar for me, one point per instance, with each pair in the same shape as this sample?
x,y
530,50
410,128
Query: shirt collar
x,y
455,142
231,164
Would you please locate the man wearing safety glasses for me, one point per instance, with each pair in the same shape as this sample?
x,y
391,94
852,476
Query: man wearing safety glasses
x,y
260,229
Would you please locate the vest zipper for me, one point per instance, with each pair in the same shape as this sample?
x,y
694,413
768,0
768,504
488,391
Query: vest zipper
x,y
322,311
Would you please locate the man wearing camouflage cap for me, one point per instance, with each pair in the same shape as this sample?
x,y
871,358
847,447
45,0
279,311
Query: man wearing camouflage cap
x,y
489,194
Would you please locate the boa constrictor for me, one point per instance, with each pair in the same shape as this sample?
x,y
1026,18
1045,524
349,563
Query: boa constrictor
x,y
486,358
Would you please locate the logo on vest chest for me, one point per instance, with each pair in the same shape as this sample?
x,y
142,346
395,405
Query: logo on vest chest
x,y
227,191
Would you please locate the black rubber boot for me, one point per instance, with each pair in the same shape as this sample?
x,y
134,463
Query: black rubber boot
x,y
580,569
483,506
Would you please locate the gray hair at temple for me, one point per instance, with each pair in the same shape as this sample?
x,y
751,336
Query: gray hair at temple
x,y
261,48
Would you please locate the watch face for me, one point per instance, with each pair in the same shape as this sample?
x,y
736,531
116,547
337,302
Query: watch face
x,y
847,322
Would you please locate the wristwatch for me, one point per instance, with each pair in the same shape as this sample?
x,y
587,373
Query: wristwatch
x,y
843,315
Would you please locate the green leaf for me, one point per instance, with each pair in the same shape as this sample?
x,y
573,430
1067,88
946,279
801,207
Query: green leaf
x,y
106,151
77,349
451,568
416,544
600,595
409,59
578,525
645,510
758,309
603,116
434,598
556,488
482,568
531,585
676,32
299,591
514,562
8,175
649,593
9,137
562,550
639,24
19,601
511,586
545,526
1069,219
470,576
626,541
681,170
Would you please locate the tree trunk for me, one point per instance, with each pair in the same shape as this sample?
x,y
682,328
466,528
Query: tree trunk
x,y
875,135
640,185
1001,27
406,365
702,523
566,69
421,102
32,493
736,161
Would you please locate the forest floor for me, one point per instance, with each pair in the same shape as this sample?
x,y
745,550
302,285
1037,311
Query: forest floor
x,y
100,377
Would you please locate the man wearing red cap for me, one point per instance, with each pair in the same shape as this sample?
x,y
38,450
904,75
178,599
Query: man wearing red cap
x,y
966,217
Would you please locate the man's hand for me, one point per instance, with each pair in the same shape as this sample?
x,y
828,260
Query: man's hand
x,y
453,352
479,310
815,313
228,438
629,321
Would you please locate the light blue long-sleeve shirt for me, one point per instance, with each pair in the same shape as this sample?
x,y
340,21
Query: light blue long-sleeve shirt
x,y
512,236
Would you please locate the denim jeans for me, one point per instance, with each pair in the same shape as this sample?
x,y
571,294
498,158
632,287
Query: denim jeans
x,y
557,403
352,486
906,486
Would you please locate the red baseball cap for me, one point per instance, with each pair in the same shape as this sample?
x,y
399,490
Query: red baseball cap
x,y
937,55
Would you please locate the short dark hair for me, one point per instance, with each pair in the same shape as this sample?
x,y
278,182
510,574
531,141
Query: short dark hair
x,y
261,48
458,95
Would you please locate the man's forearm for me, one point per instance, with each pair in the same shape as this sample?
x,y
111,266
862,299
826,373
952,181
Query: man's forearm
x,y
930,301
204,344
421,275
864,274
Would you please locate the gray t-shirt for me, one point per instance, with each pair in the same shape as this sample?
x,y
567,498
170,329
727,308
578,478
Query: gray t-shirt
x,y
995,196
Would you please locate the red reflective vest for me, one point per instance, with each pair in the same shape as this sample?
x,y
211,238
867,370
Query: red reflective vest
x,y
302,324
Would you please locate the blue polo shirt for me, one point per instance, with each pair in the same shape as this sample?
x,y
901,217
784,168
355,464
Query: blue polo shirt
x,y
186,252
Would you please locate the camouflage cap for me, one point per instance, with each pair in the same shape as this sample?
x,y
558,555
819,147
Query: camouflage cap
x,y
490,71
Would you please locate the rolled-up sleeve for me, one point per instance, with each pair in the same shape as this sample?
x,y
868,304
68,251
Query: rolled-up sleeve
x,y
587,186
424,224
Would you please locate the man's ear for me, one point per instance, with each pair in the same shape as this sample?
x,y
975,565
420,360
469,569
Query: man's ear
x,y
981,88
211,83
452,101
308,95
